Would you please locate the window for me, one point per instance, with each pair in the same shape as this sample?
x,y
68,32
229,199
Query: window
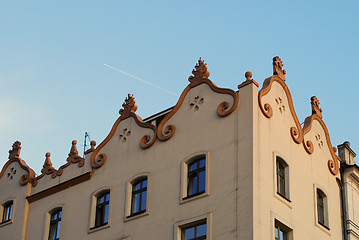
x,y
195,228
195,232
55,225
102,209
139,196
196,177
322,209
7,211
282,171
281,232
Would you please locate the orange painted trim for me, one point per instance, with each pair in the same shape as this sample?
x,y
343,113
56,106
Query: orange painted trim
x,y
333,164
295,131
146,141
24,178
223,109
58,188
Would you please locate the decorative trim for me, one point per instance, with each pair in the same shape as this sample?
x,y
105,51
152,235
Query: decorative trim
x,y
248,80
47,169
317,115
296,131
72,158
58,188
129,108
200,76
14,156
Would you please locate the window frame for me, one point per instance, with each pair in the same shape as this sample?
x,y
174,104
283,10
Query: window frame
x,y
5,206
185,196
284,228
100,211
279,161
48,214
320,193
55,222
129,214
93,209
180,226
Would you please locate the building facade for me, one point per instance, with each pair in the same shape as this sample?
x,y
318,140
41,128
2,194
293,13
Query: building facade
x,y
220,164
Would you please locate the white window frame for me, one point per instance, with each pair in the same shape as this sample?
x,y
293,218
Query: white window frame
x,y
180,225
93,206
284,199
48,219
325,226
2,211
184,177
128,202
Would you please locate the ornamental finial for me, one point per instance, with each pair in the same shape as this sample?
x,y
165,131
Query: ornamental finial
x,y
278,68
315,106
128,106
15,151
199,72
47,167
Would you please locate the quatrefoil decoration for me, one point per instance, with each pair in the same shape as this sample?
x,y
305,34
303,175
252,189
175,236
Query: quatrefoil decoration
x,y
124,135
280,105
196,103
11,174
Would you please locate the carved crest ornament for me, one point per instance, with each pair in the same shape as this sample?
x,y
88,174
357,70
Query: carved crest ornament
x,y
296,132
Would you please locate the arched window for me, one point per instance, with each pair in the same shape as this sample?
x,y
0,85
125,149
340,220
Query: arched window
x,y
102,208
196,177
139,196
55,224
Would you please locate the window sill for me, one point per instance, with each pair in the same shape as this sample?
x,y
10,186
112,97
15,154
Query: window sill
x,y
323,228
136,215
283,199
193,197
5,223
97,228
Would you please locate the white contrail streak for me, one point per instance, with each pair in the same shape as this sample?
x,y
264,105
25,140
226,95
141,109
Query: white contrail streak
x,y
140,79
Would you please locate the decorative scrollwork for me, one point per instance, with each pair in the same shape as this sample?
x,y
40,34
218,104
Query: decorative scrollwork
x,y
99,161
308,146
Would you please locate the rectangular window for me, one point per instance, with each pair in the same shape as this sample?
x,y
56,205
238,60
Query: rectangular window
x,y
281,232
282,171
196,231
7,211
322,208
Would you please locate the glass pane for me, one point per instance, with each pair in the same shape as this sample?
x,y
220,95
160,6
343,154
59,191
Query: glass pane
x,y
193,185
193,166
10,211
202,163
281,186
202,181
144,200
60,214
52,232
58,230
285,235
201,230
107,197
137,186
281,234
144,183
107,209
102,199
189,233
136,205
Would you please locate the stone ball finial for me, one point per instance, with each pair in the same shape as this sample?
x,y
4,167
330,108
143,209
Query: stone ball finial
x,y
74,142
248,75
93,144
47,154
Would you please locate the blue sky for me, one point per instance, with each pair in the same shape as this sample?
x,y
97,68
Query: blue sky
x,y
55,87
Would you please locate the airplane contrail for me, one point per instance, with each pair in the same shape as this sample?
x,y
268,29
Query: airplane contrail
x,y
140,79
